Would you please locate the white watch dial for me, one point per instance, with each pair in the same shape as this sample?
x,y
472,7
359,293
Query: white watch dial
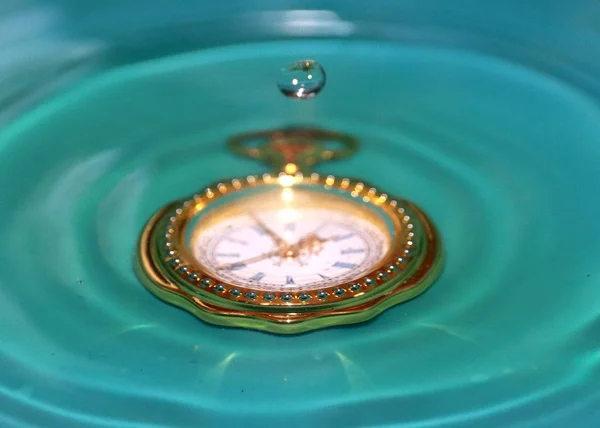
x,y
280,249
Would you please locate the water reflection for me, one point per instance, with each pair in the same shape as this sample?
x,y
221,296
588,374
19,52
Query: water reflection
x,y
301,22
357,378
36,57
212,378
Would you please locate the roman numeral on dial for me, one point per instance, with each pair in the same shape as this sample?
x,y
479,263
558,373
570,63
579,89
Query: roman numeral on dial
x,y
257,276
344,265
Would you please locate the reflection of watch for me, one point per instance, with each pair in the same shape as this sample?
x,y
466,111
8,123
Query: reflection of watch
x,y
292,251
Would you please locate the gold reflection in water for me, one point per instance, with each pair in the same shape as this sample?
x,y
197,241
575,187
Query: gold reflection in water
x,y
136,327
214,377
451,331
356,376
123,331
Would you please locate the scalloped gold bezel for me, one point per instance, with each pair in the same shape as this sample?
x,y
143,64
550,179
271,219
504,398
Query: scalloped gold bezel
x,y
407,270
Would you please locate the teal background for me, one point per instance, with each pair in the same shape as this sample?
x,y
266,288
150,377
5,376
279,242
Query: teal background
x,y
484,113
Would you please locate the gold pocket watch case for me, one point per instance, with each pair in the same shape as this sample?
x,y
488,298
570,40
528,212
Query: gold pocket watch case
x,y
290,251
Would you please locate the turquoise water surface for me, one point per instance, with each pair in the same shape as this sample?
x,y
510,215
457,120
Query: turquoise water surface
x,y
504,159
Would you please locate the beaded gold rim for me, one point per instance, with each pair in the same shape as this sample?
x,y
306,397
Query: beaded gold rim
x,y
168,269
414,245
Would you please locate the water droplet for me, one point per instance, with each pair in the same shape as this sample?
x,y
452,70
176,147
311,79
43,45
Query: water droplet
x,y
302,79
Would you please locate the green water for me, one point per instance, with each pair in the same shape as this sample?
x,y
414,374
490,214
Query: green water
x,y
505,160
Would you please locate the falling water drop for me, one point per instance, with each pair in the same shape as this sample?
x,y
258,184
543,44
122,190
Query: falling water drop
x,y
302,79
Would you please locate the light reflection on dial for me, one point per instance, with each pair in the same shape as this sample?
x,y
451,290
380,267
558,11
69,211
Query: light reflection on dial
x,y
299,248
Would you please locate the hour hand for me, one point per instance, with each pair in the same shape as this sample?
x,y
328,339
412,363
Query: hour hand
x,y
277,240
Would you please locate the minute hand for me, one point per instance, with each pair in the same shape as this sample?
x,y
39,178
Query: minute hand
x,y
250,260
310,238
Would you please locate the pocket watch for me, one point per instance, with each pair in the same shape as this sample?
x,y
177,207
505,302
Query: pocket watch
x,y
291,250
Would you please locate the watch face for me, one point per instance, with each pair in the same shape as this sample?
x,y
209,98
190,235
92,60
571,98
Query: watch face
x,y
289,253
290,240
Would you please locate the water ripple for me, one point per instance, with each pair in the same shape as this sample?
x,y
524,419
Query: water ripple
x,y
507,333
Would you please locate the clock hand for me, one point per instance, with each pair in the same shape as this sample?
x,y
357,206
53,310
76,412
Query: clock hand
x,y
311,238
289,252
310,243
278,240
250,260
331,238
